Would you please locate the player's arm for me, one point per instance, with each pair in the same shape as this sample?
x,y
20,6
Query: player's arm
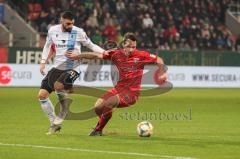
x,y
151,58
52,52
88,55
95,48
45,53
162,70
89,44
160,63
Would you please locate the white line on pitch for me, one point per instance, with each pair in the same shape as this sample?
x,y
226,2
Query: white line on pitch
x,y
95,151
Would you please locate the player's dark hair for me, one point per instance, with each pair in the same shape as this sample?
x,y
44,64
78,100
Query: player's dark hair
x,y
67,15
129,36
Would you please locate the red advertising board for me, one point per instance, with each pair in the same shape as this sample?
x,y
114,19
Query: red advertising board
x,y
3,55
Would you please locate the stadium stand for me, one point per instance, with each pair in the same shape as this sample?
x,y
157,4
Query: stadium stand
x,y
165,25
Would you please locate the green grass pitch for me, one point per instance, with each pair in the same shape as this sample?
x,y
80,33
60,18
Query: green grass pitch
x,y
208,127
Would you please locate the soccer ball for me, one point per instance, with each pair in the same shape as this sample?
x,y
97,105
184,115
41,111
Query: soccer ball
x,y
145,129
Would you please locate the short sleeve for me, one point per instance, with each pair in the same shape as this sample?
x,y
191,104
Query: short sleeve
x,y
149,58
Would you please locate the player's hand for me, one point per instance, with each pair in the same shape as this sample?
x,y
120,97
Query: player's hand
x,y
160,77
42,68
106,52
72,55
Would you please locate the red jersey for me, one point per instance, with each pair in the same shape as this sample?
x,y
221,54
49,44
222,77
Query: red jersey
x,y
130,68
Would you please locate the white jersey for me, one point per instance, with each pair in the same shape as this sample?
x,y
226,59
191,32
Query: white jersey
x,y
67,41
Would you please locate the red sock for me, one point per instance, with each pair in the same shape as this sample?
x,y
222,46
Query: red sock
x,y
104,118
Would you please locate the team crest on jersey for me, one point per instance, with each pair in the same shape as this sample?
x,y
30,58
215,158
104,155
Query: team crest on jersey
x,y
135,60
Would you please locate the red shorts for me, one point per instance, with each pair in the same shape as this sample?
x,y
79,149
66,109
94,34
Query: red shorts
x,y
126,97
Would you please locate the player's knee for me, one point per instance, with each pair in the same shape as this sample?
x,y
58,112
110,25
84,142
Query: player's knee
x,y
99,103
58,86
42,96
111,102
104,110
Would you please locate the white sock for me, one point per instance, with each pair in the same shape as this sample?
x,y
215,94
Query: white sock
x,y
48,109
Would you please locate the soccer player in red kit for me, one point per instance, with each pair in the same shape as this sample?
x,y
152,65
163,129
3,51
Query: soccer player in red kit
x,y
130,64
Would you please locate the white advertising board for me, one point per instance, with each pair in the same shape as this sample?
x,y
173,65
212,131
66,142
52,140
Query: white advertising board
x,y
180,76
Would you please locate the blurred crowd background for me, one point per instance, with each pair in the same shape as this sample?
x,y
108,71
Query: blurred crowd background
x,y
161,24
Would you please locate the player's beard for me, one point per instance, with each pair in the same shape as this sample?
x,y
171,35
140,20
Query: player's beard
x,y
66,29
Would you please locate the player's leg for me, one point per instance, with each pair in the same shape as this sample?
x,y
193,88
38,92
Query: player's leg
x,y
48,109
46,104
63,100
104,109
62,86
43,96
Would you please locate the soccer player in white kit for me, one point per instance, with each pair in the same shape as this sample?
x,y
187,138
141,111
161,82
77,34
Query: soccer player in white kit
x,y
66,38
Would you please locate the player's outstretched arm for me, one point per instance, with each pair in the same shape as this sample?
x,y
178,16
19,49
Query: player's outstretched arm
x,y
162,70
160,63
88,55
